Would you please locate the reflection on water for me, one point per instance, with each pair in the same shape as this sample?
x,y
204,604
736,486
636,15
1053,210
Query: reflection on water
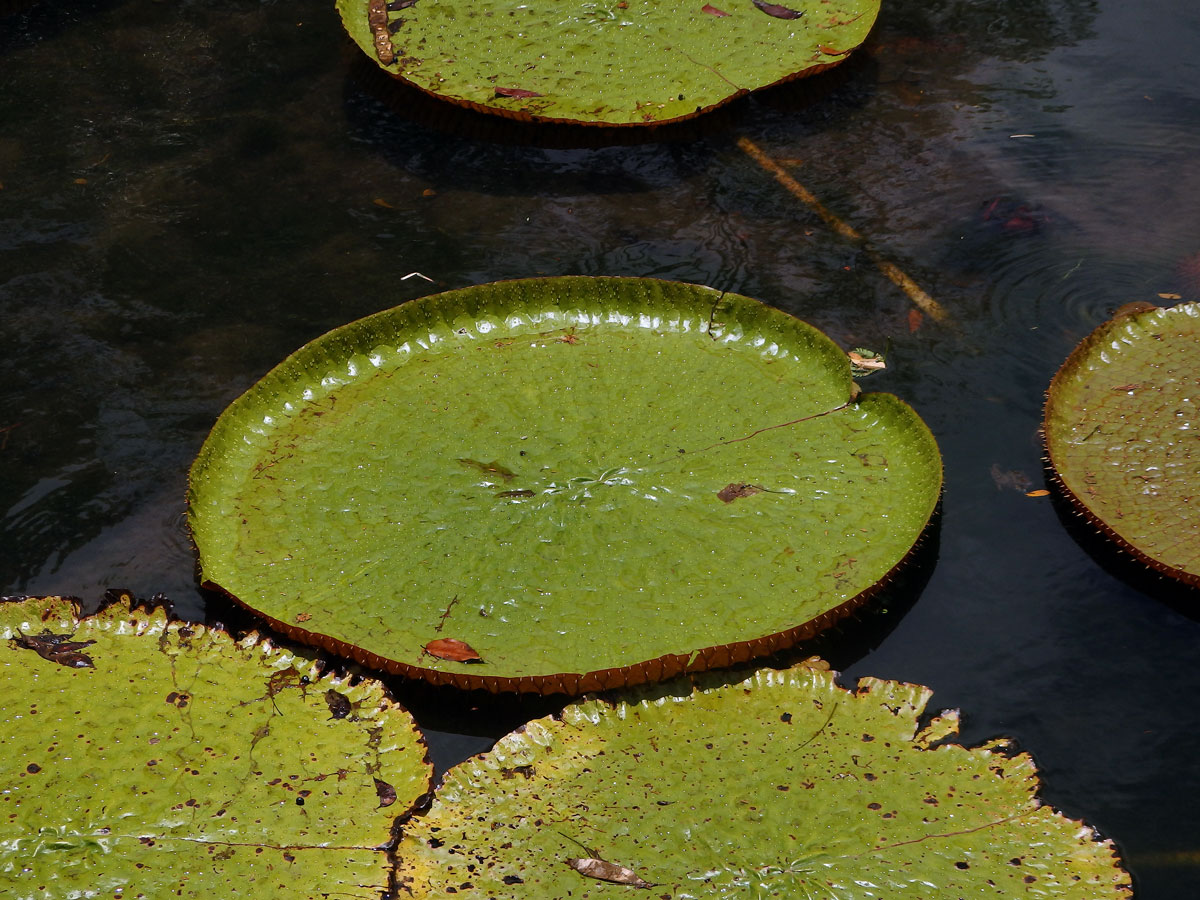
x,y
191,192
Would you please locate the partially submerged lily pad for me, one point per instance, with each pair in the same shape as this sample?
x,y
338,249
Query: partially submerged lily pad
x,y
153,759
584,482
784,785
618,62
1122,434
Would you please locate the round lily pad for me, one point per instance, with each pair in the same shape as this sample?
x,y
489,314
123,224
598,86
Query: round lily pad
x,y
784,785
617,62
561,485
148,758
1122,434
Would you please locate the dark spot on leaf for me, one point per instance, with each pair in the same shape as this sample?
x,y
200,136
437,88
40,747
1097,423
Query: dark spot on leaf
x,y
514,495
779,12
1030,879
33,768
525,772
386,793
489,468
339,704
519,93
786,718
1015,861
867,738
962,865
513,879
874,806
299,801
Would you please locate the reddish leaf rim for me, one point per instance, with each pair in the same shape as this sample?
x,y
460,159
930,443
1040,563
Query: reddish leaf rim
x,y
574,684
521,115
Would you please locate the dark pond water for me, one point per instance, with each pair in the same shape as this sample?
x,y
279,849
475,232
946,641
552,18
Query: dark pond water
x,y
192,190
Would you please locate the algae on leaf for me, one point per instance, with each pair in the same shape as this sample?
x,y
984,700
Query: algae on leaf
x,y
783,785
181,762
561,484
618,62
1122,432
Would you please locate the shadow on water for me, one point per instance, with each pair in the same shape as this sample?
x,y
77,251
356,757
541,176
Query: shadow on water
x,y
27,22
370,90
1120,564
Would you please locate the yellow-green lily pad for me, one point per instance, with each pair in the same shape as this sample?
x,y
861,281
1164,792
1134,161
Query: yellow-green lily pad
x,y
143,757
783,785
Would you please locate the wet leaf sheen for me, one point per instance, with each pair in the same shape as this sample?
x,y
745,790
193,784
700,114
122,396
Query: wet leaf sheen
x,y
685,482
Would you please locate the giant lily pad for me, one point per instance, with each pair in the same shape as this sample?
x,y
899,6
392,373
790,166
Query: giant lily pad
x,y
616,62
1122,434
784,785
147,758
561,485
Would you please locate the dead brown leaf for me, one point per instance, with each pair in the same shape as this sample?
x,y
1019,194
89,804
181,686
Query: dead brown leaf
x,y
866,362
732,492
454,650
602,870
779,12
57,648
713,11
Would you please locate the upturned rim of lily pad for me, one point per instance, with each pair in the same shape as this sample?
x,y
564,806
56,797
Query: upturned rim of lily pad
x,y
452,306
1061,478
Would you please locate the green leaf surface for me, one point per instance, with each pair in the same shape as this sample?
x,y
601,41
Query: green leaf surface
x,y
784,785
615,62
183,763
1122,432
577,475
